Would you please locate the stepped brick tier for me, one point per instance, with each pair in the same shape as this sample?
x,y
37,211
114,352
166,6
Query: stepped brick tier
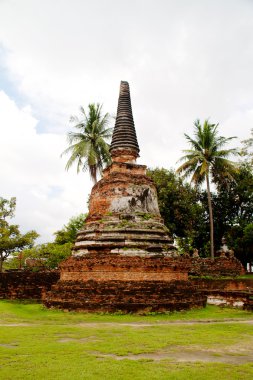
x,y
125,296
123,258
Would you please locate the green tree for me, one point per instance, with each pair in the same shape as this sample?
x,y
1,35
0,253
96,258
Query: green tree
x,y
69,231
207,161
88,147
178,203
52,254
241,240
235,201
11,240
233,212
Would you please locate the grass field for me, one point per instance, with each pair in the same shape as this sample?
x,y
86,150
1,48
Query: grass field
x,y
210,343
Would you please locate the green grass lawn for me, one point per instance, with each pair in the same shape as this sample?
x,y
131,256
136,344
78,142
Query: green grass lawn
x,y
211,343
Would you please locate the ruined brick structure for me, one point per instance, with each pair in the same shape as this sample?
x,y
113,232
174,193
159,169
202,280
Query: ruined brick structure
x,y
227,292
26,284
124,217
123,258
219,267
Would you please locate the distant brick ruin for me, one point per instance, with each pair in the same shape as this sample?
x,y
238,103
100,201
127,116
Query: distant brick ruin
x,y
123,258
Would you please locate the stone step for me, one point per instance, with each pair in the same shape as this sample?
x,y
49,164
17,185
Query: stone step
x,y
125,237
125,230
127,307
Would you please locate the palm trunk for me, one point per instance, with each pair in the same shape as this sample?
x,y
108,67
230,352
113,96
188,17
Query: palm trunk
x,y
210,215
93,173
1,262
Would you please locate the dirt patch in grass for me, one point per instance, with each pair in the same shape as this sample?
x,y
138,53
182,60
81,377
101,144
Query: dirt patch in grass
x,y
239,353
16,324
143,324
12,345
79,340
175,323
186,356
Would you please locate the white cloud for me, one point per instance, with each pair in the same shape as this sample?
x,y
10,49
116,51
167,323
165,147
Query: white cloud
x,y
31,170
184,60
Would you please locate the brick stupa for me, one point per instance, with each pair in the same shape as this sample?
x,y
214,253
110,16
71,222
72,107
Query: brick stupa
x,y
123,258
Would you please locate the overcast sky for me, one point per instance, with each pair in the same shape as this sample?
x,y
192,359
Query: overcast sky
x,y
183,59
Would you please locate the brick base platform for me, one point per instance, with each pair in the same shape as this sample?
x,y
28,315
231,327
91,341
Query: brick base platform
x,y
124,296
111,283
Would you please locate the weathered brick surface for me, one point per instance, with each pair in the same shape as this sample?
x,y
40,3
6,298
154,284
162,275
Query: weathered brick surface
x,y
122,184
124,268
124,214
223,284
216,268
125,296
26,285
130,284
124,155
248,305
124,168
236,292
105,282
227,298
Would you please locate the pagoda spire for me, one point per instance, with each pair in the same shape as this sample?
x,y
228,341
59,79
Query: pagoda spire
x,y
124,145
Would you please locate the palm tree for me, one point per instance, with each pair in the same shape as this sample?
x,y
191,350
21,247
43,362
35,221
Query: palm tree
x,y
88,146
208,160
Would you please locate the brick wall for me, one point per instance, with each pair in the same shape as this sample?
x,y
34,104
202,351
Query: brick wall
x,y
115,282
223,284
26,284
218,267
225,292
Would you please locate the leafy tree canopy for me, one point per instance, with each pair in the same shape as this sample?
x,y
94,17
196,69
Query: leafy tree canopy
x,y
178,202
50,255
11,239
69,231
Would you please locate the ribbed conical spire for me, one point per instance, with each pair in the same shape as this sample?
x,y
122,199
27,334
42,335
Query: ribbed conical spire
x,y
124,135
